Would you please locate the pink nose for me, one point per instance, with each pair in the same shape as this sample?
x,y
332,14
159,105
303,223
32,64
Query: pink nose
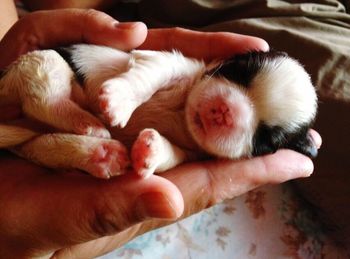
x,y
220,115
217,113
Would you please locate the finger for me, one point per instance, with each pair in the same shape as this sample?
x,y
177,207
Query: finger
x,y
205,184
48,29
316,138
70,208
206,45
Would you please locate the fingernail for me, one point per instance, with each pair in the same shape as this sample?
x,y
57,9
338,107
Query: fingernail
x,y
155,205
115,23
264,46
126,25
308,168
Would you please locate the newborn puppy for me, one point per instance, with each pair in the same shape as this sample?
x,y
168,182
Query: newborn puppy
x,y
163,107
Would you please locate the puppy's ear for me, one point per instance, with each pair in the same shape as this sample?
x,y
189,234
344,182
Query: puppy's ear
x,y
267,140
270,139
242,68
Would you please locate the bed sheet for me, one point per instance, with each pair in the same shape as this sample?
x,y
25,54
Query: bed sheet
x,y
269,222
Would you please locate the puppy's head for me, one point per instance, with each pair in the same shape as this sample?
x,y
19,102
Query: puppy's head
x,y
253,104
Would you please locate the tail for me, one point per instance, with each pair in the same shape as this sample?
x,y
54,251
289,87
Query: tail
x,y
12,135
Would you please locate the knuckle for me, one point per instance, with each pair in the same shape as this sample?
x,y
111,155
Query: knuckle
x,y
209,197
104,224
108,218
262,174
92,14
27,33
175,33
104,221
177,30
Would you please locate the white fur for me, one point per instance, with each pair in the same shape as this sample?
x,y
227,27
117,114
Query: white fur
x,y
283,94
149,71
41,83
193,113
100,157
12,135
151,152
228,139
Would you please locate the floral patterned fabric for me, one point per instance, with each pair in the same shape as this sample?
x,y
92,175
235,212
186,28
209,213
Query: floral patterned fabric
x,y
270,222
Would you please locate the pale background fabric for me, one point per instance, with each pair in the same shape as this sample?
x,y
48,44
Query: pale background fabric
x,y
270,222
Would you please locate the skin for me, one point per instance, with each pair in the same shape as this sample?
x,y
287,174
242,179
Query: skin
x,y
8,16
56,4
73,215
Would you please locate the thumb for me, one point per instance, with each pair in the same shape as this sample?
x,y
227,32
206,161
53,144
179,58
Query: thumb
x,y
121,202
63,209
48,29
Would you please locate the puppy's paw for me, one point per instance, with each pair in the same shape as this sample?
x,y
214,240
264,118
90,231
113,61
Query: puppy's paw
x,y
94,129
107,158
117,102
146,152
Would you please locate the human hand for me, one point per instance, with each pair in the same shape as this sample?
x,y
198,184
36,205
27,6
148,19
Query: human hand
x,y
74,215
49,29
202,45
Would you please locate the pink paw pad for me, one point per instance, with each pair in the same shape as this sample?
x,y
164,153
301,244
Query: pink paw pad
x,y
145,153
108,159
94,130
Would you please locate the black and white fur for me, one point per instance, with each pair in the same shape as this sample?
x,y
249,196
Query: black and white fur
x,y
161,106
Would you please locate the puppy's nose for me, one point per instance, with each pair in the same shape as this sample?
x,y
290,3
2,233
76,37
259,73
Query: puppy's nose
x,y
220,115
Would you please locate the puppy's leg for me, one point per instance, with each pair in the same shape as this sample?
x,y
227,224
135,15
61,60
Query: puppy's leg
x,y
13,135
102,158
149,71
152,152
66,115
43,84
